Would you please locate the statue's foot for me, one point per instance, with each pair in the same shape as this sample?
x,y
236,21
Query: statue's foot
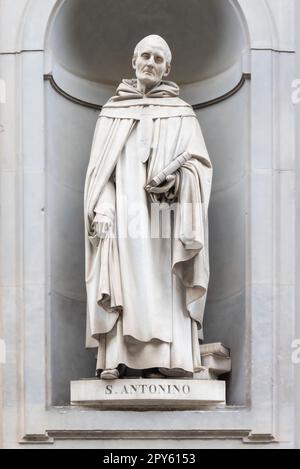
x,y
113,373
110,374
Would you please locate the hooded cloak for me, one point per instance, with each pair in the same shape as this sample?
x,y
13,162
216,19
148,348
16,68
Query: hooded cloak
x,y
146,294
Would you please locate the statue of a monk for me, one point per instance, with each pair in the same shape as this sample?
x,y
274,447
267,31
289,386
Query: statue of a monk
x,y
146,293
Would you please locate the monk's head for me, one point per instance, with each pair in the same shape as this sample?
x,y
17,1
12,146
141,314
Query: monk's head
x,y
151,61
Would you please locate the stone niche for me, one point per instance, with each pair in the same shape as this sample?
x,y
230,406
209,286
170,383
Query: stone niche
x,y
87,54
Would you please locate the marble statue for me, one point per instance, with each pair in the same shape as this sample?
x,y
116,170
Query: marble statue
x,y
146,282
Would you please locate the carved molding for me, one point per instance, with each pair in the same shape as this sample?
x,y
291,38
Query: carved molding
x,y
49,437
224,97
69,97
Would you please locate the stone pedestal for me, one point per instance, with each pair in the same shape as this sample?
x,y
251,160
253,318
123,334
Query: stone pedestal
x,y
146,394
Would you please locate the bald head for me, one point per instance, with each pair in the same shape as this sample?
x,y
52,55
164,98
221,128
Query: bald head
x,y
151,62
154,40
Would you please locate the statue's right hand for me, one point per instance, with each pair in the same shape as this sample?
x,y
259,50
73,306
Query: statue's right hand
x,y
102,229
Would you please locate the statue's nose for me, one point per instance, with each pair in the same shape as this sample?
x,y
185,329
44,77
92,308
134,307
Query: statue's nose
x,y
151,61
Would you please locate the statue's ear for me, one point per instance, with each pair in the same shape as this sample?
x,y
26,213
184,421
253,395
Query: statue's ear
x,y
134,63
168,70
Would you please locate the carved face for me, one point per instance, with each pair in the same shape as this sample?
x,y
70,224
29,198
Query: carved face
x,y
150,64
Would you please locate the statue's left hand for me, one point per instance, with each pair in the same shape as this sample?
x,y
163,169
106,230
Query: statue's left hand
x,y
167,191
165,186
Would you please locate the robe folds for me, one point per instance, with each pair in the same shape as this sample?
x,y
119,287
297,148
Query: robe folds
x,y
146,290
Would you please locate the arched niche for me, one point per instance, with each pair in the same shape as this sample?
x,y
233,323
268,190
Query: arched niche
x,y
87,53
